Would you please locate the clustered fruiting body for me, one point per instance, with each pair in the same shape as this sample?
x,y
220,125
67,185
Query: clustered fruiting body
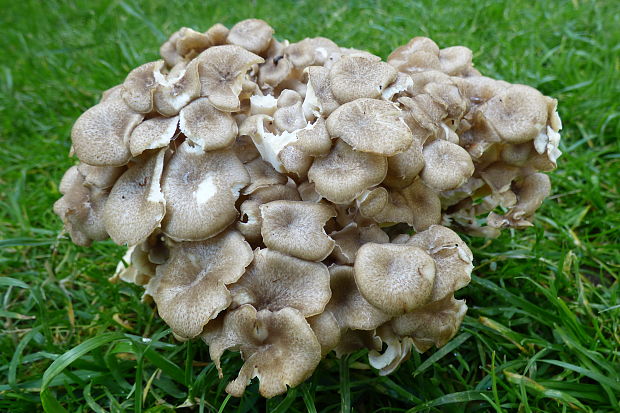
x,y
261,186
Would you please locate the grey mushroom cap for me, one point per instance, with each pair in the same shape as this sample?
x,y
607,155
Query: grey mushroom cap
x,y
395,278
153,133
136,204
453,259
81,208
221,70
371,125
433,324
207,127
446,165
275,280
253,35
296,228
100,136
201,189
190,287
343,174
137,90
354,77
278,347
348,306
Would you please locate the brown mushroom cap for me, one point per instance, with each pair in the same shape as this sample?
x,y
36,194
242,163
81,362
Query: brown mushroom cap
x,y
343,174
253,35
153,133
100,136
405,166
201,189
455,60
139,85
530,192
250,221
326,330
350,238
348,306
190,287
354,77
395,278
136,204
310,51
314,140
206,126
319,100
446,165
517,114
419,54
262,174
275,281
433,324
371,125
278,347
453,259
176,89
296,228
424,203
102,177
221,70
81,208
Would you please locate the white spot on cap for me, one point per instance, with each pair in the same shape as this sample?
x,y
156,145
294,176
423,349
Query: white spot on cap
x,y
206,190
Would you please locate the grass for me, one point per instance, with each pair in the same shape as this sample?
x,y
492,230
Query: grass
x,y
543,330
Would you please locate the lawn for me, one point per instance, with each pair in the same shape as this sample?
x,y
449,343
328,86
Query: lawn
x,y
543,329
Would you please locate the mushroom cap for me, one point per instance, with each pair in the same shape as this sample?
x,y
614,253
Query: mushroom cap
x,y
153,133
319,99
251,34
453,259
138,87
201,189
348,306
326,330
354,77
262,175
455,60
372,201
530,192
314,140
176,89
274,281
433,324
81,208
419,54
296,228
276,68
250,221
310,51
371,125
424,203
100,136
343,174
278,347
518,113
446,165
190,42
405,166
295,161
395,278
136,204
350,238
190,287
207,127
102,177
221,70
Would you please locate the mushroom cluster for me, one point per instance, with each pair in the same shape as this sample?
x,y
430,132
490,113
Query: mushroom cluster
x,y
287,200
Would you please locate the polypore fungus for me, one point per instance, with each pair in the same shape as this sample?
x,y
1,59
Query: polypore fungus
x,y
287,200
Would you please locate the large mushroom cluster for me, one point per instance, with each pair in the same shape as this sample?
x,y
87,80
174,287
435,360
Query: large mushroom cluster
x,y
292,199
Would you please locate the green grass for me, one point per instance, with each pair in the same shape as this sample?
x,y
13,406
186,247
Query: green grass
x,y
543,330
